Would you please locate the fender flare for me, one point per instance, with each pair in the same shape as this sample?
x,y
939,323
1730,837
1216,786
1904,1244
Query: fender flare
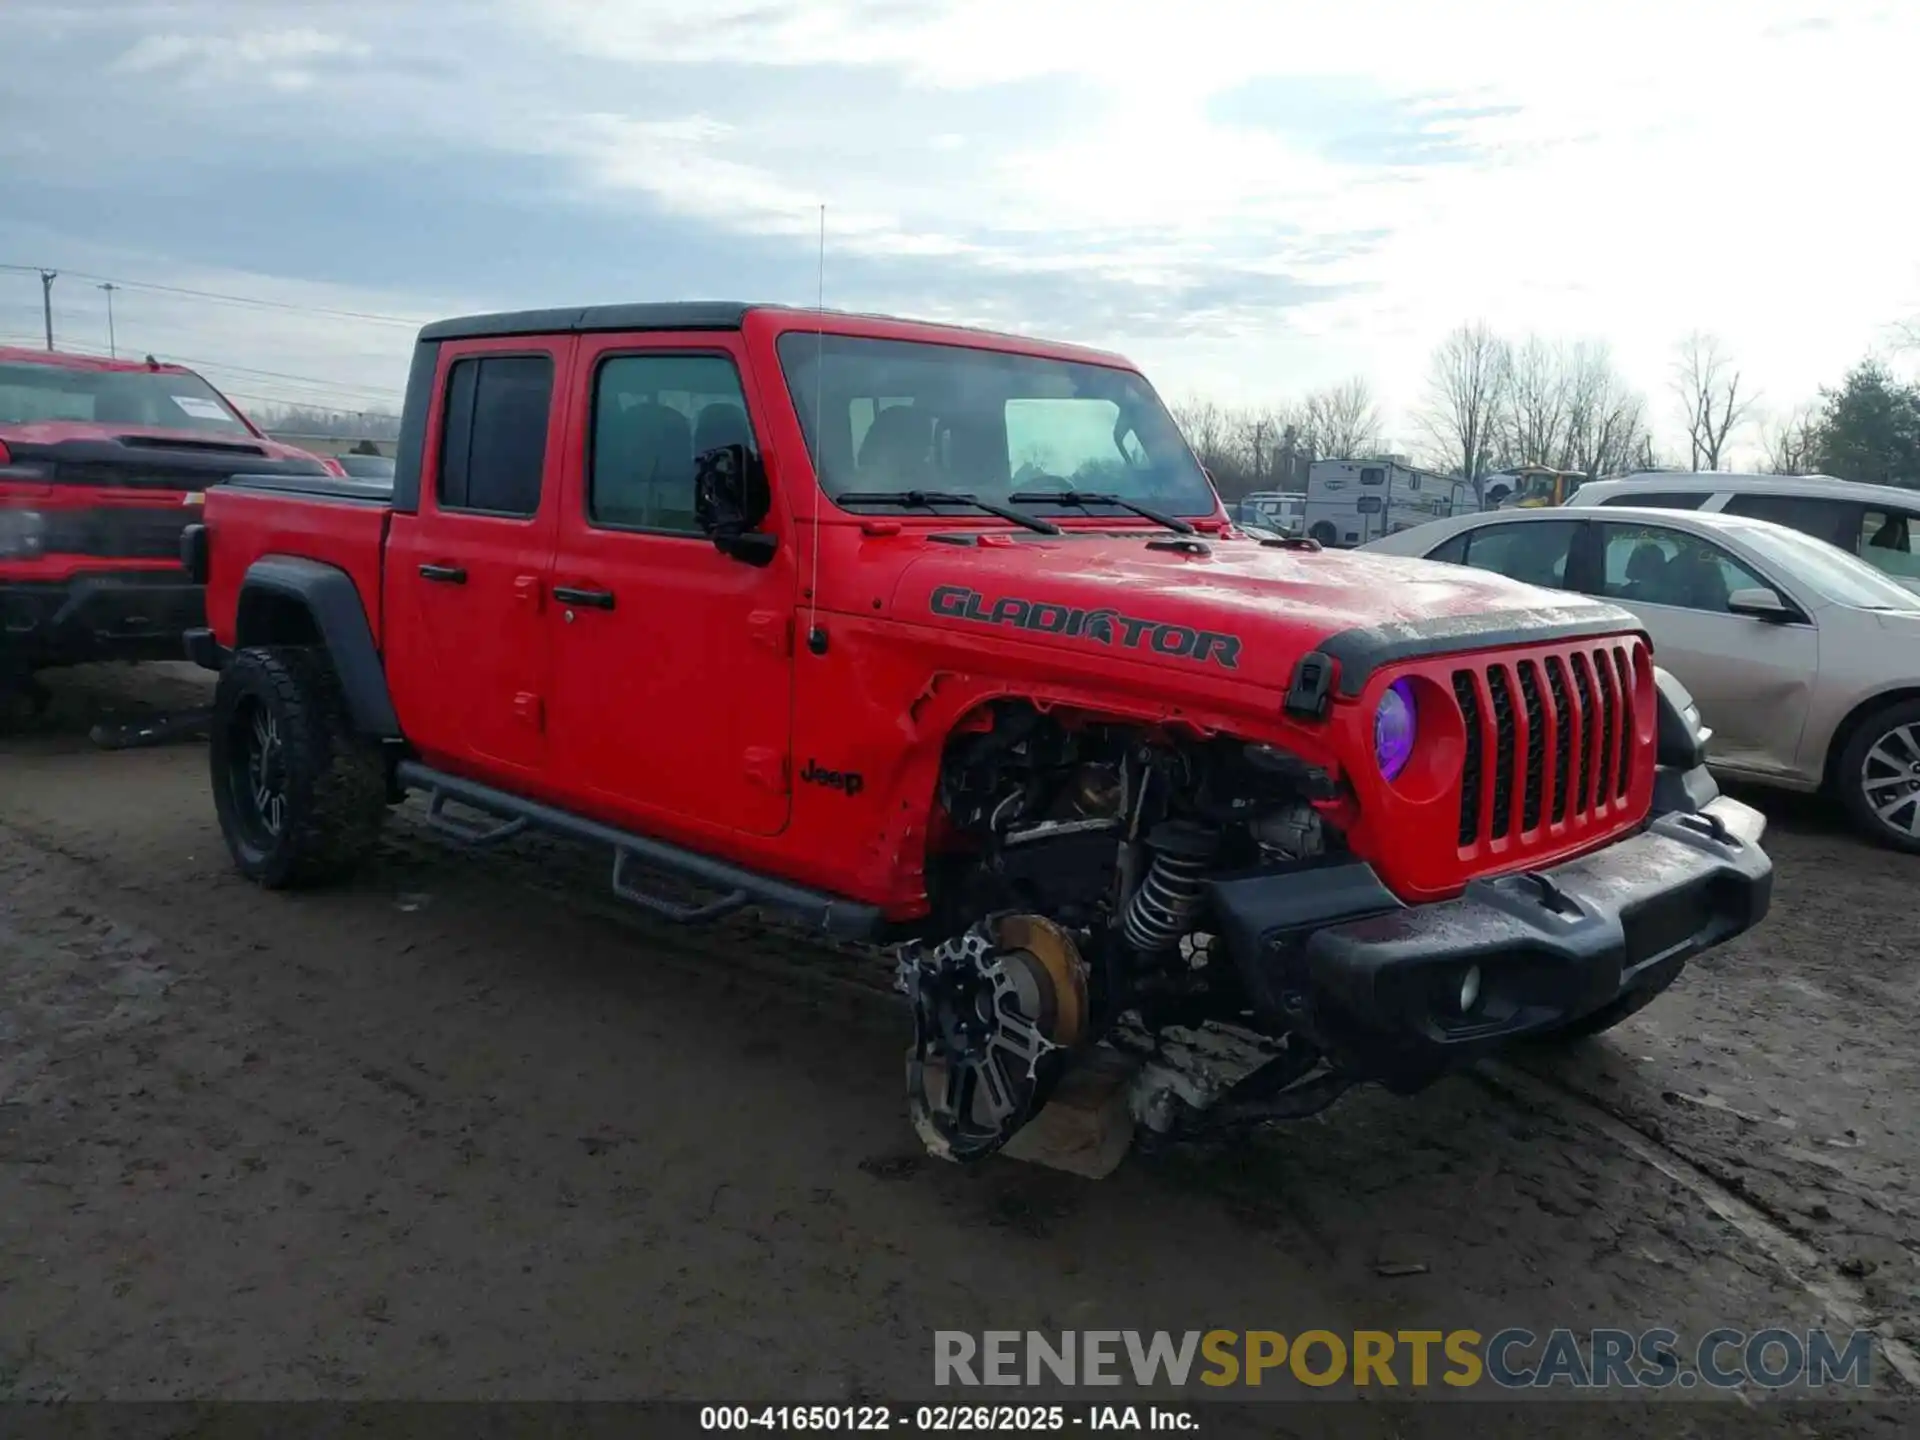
x,y
327,594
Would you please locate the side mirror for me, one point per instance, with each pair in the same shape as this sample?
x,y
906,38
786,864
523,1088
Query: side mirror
x,y
1759,603
730,499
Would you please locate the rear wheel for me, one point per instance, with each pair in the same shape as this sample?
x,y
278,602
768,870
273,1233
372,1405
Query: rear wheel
x,y
299,796
1878,776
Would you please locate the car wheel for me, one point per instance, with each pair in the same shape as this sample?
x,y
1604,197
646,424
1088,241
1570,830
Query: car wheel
x,y
1878,776
1324,532
299,796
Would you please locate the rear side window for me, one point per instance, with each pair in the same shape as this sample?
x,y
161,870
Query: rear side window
x,y
1535,551
1828,520
652,417
493,439
1662,500
1454,551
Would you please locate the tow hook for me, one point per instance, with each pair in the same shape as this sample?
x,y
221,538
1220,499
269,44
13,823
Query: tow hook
x,y
1551,895
1712,824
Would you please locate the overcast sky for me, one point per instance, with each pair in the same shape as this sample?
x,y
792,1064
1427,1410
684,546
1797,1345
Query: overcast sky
x,y
1250,197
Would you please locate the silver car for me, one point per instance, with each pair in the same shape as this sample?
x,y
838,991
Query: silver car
x,y
1804,659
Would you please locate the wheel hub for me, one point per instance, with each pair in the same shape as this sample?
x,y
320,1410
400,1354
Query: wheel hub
x,y
992,1010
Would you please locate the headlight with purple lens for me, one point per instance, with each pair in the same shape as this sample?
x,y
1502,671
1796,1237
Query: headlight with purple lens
x,y
1394,724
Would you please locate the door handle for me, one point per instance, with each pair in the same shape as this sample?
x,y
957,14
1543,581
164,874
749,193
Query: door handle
x,y
570,595
445,574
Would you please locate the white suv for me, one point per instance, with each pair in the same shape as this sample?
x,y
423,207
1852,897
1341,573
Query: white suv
x,y
1879,523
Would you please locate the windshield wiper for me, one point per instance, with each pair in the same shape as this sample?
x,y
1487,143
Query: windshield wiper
x,y
1085,498
927,499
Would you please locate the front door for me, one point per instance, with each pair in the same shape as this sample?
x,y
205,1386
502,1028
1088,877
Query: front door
x,y
468,653
1752,678
673,662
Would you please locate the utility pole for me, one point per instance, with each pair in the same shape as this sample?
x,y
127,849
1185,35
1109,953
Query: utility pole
x,y
47,277
113,350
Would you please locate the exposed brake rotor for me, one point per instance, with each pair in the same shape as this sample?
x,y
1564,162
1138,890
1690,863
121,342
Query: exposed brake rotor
x,y
994,1010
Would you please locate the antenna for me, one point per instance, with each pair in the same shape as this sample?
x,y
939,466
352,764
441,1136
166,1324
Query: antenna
x,y
816,637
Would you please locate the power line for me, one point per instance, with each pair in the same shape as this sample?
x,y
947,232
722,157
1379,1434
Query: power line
x,y
218,297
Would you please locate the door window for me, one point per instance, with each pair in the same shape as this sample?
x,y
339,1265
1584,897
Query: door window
x,y
1886,542
1829,520
493,434
652,416
1652,565
1535,553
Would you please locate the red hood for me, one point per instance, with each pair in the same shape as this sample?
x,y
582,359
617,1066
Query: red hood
x,y
56,432
1252,608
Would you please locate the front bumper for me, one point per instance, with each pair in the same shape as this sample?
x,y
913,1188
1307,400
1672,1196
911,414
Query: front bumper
x,y
1379,985
133,615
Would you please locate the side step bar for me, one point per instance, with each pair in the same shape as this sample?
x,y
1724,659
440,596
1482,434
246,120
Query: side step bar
x,y
810,909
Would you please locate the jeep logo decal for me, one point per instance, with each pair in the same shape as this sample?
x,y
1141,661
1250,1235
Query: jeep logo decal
x,y
1109,627
847,782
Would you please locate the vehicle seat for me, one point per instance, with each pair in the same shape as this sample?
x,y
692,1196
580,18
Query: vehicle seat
x,y
721,423
1892,535
897,450
1704,584
643,474
1646,574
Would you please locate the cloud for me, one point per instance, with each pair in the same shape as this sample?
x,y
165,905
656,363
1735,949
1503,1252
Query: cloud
x,y
1262,195
280,59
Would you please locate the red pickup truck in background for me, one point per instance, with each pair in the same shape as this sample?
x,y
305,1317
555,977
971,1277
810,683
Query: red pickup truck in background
x,y
928,637
102,463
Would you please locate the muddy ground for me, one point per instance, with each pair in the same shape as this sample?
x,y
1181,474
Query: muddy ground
x,y
464,1129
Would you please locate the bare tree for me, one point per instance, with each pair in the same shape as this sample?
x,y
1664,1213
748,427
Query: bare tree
x,y
1606,421
1465,381
1712,405
1208,429
1343,420
1791,444
1533,412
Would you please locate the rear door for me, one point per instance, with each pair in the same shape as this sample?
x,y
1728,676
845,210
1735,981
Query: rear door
x,y
673,662
1752,678
469,656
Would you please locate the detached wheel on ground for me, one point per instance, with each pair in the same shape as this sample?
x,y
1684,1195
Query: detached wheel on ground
x,y
1878,776
299,795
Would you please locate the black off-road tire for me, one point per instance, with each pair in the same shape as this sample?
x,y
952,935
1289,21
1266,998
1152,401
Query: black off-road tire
x,y
330,785
1892,731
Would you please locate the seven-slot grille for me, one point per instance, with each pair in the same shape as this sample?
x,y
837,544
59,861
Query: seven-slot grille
x,y
1549,740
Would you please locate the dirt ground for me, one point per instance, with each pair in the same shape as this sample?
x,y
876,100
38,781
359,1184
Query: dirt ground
x,y
464,1129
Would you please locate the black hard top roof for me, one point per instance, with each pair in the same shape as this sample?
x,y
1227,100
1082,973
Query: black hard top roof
x,y
668,315
690,315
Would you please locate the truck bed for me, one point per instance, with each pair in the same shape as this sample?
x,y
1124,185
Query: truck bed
x,y
334,519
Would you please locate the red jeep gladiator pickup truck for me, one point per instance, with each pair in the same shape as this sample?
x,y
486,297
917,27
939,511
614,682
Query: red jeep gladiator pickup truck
x,y
942,640
100,461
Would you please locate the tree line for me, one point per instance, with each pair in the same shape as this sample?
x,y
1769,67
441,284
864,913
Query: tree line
x,y
1492,403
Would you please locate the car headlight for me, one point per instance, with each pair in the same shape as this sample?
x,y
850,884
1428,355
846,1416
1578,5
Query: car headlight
x,y
20,533
1394,726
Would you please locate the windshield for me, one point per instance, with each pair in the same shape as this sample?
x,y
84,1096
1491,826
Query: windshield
x,y
894,416
1828,570
151,399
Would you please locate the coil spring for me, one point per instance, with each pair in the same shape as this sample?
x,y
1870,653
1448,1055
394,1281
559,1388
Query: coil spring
x,y
1157,915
